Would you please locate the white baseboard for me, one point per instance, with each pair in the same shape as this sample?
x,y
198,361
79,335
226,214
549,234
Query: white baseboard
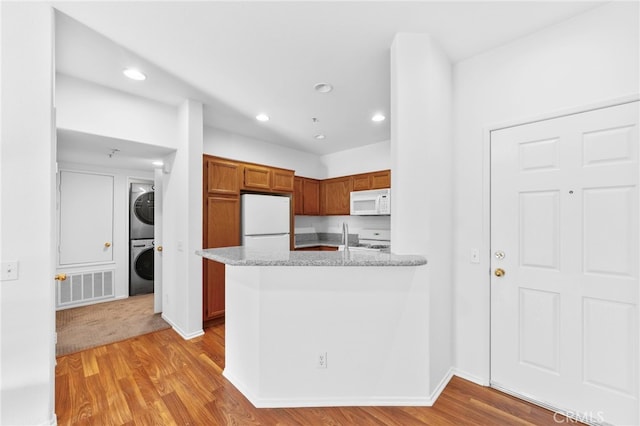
x,y
185,336
354,401
470,377
441,386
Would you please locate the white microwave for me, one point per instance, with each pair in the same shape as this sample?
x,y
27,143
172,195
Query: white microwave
x,y
371,203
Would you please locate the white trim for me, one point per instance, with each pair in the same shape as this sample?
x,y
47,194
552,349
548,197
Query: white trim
x,y
486,206
441,386
567,416
481,381
563,112
388,401
185,336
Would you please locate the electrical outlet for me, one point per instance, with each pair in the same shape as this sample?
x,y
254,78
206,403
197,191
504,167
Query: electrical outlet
x,y
475,255
322,360
9,271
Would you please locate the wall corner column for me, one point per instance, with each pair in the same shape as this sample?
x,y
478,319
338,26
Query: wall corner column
x,y
421,164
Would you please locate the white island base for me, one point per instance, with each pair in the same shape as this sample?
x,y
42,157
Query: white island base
x,y
370,321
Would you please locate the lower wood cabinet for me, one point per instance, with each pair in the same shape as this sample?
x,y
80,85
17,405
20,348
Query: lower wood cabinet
x,y
213,291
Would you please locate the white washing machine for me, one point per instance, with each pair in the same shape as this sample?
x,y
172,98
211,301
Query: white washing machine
x,y
141,214
141,267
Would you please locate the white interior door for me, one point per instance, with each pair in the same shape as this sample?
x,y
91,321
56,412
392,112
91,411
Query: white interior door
x,y
86,218
564,229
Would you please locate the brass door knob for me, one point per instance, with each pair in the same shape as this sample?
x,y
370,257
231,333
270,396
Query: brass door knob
x,y
61,277
499,272
159,248
107,244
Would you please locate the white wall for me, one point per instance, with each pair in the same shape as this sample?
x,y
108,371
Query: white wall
x,y
27,163
421,156
86,107
364,159
242,148
368,158
588,59
122,178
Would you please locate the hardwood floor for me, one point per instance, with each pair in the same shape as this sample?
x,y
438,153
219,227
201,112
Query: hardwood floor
x,y
161,379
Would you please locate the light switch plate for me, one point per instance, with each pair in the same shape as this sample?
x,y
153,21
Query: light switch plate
x,y
9,271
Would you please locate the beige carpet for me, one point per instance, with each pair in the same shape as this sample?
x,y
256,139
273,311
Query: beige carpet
x,y
96,325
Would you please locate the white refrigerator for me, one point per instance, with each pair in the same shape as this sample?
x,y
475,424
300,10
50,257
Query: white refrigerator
x,y
265,221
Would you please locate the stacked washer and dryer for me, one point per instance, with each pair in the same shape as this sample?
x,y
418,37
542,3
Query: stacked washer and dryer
x,y
141,239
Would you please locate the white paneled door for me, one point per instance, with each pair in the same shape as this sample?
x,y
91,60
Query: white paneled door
x,y
86,218
564,247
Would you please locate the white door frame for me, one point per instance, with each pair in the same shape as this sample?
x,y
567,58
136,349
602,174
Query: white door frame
x,y
486,198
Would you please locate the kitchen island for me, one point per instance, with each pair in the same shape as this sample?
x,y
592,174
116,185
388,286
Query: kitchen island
x,y
325,328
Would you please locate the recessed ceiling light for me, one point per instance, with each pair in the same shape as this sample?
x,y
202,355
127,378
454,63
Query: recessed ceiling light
x,y
134,74
323,87
319,136
157,163
378,117
262,117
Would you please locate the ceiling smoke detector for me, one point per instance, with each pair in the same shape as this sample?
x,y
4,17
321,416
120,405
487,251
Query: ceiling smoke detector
x,y
323,87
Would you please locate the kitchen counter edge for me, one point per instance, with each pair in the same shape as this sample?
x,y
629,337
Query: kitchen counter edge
x,y
241,256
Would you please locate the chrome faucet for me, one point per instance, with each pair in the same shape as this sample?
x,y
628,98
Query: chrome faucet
x,y
345,236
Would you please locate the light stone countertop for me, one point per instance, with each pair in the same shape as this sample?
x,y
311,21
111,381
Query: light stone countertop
x,y
241,256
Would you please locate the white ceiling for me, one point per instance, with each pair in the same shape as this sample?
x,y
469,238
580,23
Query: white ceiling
x,y
241,58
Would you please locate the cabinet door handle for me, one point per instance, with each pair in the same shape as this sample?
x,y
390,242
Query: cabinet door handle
x,y
107,244
60,277
159,248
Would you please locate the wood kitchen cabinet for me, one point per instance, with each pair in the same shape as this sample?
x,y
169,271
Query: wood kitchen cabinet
x,y
266,179
256,177
311,197
221,176
335,196
298,195
306,196
282,180
373,180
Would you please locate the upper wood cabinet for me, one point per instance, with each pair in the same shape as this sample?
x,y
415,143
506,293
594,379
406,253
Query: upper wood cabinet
x,y
311,197
257,177
221,176
298,195
267,179
373,180
335,196
361,182
381,179
282,180
306,196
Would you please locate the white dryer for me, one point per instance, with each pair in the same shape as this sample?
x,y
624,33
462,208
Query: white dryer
x,y
141,217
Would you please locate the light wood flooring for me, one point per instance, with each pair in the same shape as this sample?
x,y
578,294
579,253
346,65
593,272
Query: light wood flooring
x,y
161,379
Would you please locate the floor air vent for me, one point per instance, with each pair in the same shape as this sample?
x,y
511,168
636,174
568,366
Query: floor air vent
x,y
84,287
